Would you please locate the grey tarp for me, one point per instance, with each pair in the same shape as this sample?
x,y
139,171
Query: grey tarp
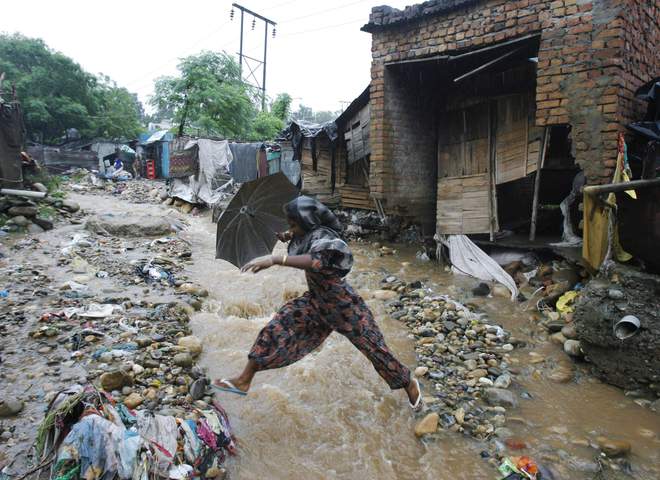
x,y
289,166
243,168
204,187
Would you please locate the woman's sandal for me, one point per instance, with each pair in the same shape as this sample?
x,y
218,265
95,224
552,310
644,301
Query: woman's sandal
x,y
419,404
231,388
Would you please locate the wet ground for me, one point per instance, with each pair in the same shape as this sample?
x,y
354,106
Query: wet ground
x,y
330,415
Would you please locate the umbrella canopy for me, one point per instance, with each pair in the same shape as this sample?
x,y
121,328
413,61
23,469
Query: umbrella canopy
x,y
247,228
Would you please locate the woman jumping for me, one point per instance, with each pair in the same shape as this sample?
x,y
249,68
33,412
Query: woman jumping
x,y
302,324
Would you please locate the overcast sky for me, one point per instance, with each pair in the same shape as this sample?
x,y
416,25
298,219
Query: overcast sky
x,y
319,55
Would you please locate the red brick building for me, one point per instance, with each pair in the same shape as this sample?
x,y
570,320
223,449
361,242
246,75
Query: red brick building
x,y
462,92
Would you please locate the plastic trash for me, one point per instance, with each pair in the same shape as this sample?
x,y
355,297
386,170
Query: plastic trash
x,y
565,302
128,451
514,468
4,293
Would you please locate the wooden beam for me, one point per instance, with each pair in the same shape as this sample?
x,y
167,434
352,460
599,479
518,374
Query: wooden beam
x,y
621,187
487,64
537,183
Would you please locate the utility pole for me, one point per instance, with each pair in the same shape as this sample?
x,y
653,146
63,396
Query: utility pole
x,y
253,62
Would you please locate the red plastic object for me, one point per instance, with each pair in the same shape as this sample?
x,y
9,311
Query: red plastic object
x,y
151,169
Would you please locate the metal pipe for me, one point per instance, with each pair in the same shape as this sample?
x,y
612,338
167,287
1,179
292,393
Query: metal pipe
x,y
22,193
621,187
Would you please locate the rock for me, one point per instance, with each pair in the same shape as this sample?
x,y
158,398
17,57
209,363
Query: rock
x,y
198,388
215,472
470,364
70,206
569,331
186,207
478,373
503,381
507,347
134,400
137,369
115,380
558,338
10,407
501,291
34,229
485,381
385,295
183,360
613,293
43,223
23,210
481,290
20,221
192,344
459,415
421,371
500,397
428,424
130,226
40,187
613,448
572,347
503,433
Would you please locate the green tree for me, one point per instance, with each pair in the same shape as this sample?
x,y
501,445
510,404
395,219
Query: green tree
x,y
58,94
208,95
281,107
119,112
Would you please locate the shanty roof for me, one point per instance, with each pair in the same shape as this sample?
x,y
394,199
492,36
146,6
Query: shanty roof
x,y
156,137
383,16
356,105
308,130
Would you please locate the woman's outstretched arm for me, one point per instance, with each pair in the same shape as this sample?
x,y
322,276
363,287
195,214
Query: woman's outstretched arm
x,y
301,262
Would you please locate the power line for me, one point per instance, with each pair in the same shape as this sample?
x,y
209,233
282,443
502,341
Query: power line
x,y
319,12
360,20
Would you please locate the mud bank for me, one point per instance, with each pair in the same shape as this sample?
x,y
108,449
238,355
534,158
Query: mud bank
x,y
632,362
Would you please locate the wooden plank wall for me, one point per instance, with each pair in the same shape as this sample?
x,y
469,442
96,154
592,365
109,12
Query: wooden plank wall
x,y
318,182
463,205
356,147
511,138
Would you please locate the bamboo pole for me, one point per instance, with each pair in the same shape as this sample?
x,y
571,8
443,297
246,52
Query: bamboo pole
x,y
621,187
537,183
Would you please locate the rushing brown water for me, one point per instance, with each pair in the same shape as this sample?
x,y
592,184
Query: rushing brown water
x,y
331,416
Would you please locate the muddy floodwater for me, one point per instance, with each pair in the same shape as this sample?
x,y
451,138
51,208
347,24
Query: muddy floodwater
x,y
331,416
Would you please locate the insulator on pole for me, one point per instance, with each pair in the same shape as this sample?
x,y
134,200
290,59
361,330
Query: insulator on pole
x,y
254,22
274,30
231,14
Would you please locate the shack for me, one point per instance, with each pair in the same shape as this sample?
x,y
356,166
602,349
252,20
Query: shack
x,y
470,98
354,153
154,149
12,136
314,146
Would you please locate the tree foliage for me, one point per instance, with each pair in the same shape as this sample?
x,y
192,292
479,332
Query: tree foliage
x,y
207,95
306,114
57,94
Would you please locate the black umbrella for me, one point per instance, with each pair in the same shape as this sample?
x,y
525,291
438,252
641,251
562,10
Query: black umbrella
x,y
247,228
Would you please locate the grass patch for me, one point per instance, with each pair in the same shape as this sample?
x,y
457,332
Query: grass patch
x,y
244,309
46,211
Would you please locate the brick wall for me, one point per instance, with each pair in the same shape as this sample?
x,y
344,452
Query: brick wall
x,y
589,65
411,127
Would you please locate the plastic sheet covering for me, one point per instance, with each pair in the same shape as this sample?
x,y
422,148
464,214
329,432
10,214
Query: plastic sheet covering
x,y
128,450
205,186
289,166
243,167
94,442
468,259
191,443
161,433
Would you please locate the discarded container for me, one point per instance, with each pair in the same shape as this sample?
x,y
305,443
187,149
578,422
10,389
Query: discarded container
x,y
626,327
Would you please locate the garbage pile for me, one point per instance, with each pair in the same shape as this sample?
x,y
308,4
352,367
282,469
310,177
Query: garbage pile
x,y
34,211
463,358
134,190
87,434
